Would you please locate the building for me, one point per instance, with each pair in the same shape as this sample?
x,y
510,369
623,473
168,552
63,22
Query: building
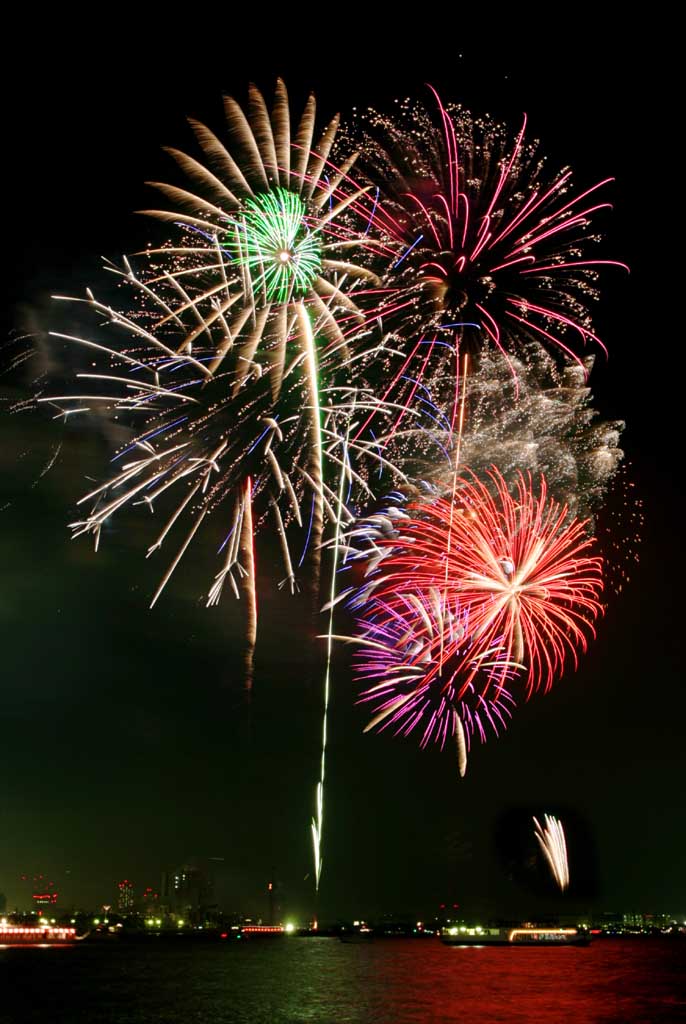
x,y
150,900
188,890
125,897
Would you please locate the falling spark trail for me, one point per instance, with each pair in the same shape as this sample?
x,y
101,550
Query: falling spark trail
x,y
318,822
458,446
317,522
551,839
248,562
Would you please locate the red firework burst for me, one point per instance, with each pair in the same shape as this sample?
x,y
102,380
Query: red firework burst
x,y
518,569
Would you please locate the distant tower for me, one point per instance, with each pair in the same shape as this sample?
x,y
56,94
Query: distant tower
x,y
270,890
125,896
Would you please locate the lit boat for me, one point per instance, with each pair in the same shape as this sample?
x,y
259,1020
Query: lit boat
x,y
360,932
37,935
528,937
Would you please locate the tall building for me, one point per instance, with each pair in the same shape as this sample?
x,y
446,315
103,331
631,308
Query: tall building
x,y
188,890
125,896
150,900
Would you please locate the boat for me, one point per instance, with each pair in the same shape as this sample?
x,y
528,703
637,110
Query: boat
x,y
523,936
37,935
360,932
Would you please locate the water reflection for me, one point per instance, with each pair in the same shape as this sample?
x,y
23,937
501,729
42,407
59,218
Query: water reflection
x,y
324,981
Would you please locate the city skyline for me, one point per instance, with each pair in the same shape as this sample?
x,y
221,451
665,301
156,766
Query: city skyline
x,y
195,894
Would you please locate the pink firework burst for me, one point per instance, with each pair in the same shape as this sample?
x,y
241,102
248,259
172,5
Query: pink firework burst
x,y
401,638
486,239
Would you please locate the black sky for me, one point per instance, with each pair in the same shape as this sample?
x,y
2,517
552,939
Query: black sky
x,y
125,742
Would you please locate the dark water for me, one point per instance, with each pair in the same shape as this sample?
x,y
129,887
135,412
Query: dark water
x,y
323,981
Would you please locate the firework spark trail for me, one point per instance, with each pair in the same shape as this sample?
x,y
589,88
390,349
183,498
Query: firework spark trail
x,y
317,460
458,446
551,840
247,542
318,822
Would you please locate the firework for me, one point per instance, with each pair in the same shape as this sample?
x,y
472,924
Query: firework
x,y
400,638
232,360
538,421
620,530
250,363
401,641
265,236
487,242
513,564
551,840
201,447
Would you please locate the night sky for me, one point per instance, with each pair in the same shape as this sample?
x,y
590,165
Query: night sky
x,y
126,742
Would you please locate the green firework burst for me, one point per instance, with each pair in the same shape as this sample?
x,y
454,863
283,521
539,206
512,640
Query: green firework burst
x,y
272,240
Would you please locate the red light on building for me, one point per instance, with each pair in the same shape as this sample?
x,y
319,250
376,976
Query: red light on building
x,y
45,899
